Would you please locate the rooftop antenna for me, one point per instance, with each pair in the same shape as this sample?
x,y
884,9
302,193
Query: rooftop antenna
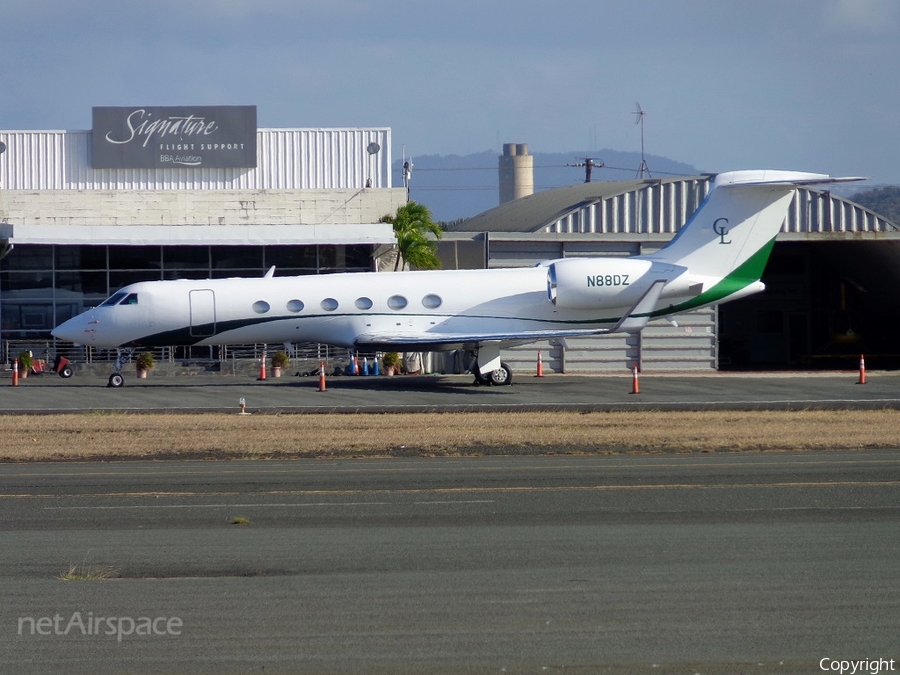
x,y
372,148
589,163
639,119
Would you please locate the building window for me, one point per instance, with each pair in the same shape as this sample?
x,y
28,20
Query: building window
x,y
59,281
237,257
186,257
79,258
135,258
293,257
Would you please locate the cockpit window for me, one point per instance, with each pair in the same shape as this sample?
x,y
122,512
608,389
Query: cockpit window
x,y
114,299
130,300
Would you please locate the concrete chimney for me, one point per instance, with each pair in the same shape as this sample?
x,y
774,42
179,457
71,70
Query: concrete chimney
x,y
516,172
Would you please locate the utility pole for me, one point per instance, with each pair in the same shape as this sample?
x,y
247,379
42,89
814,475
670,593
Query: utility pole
x,y
589,163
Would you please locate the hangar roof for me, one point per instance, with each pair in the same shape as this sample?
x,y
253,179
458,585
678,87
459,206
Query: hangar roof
x,y
534,212
658,208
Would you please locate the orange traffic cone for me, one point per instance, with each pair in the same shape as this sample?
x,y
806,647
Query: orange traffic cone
x,y
15,380
635,385
262,368
862,369
321,376
540,365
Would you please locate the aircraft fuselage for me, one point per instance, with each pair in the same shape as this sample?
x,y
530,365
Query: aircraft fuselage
x,y
340,308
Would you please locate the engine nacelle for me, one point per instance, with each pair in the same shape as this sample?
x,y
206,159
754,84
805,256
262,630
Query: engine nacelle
x,y
607,283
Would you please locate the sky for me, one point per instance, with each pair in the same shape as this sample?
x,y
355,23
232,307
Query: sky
x,y
810,85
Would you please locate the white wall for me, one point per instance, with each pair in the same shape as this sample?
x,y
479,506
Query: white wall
x,y
200,207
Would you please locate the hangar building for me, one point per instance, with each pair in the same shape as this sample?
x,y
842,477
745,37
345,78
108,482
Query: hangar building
x,y
181,192
830,282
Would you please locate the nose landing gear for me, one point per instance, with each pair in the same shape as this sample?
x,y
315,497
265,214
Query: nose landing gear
x,y
123,356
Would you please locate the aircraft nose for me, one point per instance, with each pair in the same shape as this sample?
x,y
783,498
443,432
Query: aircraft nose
x,y
80,329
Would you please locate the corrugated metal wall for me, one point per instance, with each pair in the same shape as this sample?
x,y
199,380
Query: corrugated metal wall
x,y
657,208
813,211
688,346
661,346
518,253
662,208
289,159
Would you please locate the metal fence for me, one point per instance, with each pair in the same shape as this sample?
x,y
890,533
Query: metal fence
x,y
301,355
305,358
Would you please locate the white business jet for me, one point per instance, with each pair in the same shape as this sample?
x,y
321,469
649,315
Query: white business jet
x,y
718,255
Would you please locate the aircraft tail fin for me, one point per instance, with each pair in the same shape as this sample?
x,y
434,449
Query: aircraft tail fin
x,y
734,229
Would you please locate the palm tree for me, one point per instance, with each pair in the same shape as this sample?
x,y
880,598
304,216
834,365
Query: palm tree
x,y
411,224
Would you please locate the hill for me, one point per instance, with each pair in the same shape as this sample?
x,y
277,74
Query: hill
x,y
885,201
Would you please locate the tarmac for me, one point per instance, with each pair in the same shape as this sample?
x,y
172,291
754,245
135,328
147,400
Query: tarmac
x,y
723,563
293,393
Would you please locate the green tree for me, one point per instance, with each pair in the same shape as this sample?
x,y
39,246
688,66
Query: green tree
x,y
412,223
884,201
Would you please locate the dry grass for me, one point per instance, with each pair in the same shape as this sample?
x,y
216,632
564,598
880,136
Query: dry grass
x,y
85,572
87,436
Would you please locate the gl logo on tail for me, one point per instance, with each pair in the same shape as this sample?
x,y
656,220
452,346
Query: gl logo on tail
x,y
721,230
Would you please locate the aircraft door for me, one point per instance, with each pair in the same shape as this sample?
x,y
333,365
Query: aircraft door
x,y
203,313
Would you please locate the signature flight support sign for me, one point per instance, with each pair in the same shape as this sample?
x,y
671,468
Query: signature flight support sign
x,y
174,137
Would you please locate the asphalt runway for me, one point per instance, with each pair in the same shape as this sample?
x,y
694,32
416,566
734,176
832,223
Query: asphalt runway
x,y
762,563
215,393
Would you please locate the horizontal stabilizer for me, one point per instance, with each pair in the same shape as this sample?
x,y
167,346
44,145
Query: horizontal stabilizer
x,y
774,177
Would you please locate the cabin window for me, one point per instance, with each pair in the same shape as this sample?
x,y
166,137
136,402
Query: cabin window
x,y
397,302
131,299
261,307
295,305
363,303
432,301
329,304
113,299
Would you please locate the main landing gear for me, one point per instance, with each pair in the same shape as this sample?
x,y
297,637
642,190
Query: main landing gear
x,y
123,356
494,372
497,377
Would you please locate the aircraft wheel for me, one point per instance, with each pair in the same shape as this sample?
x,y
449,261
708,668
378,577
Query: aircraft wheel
x,y
501,376
116,380
66,373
